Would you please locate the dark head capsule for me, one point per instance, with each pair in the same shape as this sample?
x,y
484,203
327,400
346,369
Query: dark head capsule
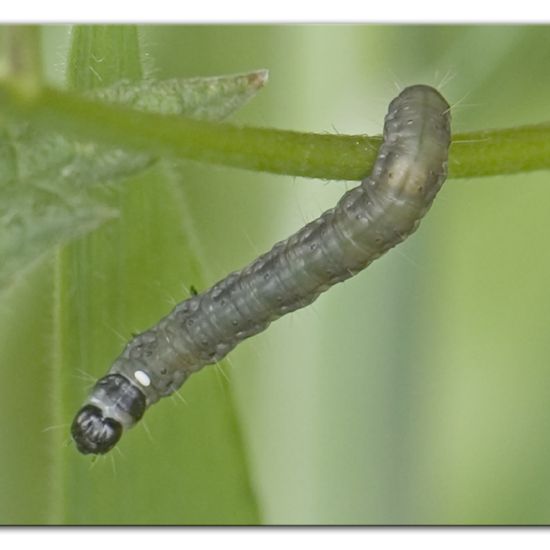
x,y
113,405
93,433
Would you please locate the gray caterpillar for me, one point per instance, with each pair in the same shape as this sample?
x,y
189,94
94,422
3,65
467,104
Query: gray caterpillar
x,y
367,221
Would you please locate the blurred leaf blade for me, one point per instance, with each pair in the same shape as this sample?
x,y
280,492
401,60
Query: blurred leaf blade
x,y
103,54
120,278
151,210
33,221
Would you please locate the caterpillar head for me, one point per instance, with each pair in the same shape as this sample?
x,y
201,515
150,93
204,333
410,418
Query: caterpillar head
x,y
113,405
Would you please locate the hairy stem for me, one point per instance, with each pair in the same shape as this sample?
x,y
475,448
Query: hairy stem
x,y
325,156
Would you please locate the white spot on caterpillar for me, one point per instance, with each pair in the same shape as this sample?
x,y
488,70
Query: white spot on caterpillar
x,y
143,378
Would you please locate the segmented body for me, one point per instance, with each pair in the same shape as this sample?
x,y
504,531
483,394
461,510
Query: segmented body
x,y
367,221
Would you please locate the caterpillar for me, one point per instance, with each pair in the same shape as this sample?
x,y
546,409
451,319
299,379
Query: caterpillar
x,y
368,220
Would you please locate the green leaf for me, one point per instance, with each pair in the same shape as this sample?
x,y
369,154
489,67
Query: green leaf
x,y
32,160
206,98
29,154
119,279
35,219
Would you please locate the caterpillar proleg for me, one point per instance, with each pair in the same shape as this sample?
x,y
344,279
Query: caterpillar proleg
x,y
367,221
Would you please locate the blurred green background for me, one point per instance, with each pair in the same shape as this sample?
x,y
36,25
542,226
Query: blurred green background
x,y
415,393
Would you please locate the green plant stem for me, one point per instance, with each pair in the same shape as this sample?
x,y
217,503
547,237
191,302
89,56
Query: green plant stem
x,y
324,156
20,57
